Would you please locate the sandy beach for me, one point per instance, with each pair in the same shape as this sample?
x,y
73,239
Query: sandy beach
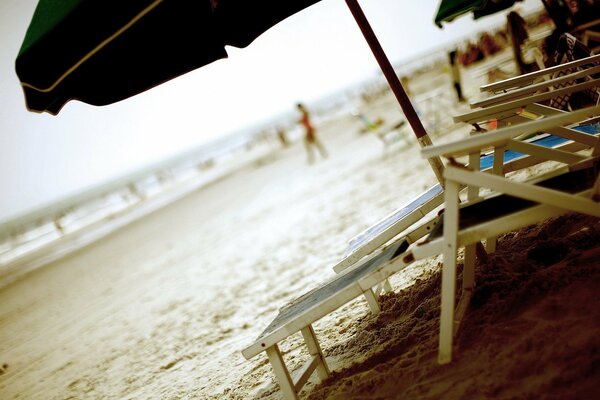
x,y
161,308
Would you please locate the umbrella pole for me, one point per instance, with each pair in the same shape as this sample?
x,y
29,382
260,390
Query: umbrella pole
x,y
395,85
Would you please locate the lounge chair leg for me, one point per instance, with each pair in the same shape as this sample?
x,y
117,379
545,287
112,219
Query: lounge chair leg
x,y
448,272
596,150
474,165
490,244
372,301
281,373
472,195
497,169
387,286
596,190
314,349
469,268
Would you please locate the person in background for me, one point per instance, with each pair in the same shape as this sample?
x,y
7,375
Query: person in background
x,y
281,135
488,44
455,73
517,30
310,139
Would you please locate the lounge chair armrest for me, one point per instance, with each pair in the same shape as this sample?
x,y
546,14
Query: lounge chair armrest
x,y
521,80
587,25
538,87
501,136
493,111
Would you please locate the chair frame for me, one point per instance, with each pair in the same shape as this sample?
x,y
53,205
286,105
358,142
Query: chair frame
x,y
552,202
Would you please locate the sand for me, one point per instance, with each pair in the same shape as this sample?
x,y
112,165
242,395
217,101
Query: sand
x,y
531,332
161,308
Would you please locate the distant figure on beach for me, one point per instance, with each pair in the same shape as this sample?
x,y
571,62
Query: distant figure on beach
x,y
488,44
368,124
455,73
310,139
282,136
517,30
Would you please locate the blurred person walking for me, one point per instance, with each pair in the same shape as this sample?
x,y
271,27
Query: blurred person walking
x,y
310,139
281,135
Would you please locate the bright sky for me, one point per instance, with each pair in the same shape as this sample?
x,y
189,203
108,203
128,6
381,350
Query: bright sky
x,y
311,54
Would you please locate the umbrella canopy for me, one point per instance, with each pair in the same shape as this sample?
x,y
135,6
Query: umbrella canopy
x,y
103,51
448,10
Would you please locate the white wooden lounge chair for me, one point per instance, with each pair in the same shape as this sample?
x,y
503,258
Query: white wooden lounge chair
x,y
522,204
300,314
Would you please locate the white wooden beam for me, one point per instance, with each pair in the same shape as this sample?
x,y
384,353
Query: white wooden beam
x,y
490,112
537,87
305,372
524,190
372,301
520,80
501,136
314,349
281,373
546,153
448,272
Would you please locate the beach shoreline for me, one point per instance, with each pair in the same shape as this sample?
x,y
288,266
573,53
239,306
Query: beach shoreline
x,y
73,240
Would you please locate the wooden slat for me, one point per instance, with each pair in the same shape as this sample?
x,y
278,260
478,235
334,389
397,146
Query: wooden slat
x,y
390,226
574,135
372,301
528,90
314,349
525,191
328,297
493,111
305,372
450,249
461,309
501,136
545,153
501,213
281,373
530,77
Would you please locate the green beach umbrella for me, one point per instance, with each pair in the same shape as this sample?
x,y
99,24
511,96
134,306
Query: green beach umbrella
x,y
103,51
448,10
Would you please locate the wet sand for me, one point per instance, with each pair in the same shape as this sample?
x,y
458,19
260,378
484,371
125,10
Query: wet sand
x,y
161,308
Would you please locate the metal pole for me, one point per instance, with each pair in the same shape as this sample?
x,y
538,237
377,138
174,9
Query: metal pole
x,y
396,86
386,67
